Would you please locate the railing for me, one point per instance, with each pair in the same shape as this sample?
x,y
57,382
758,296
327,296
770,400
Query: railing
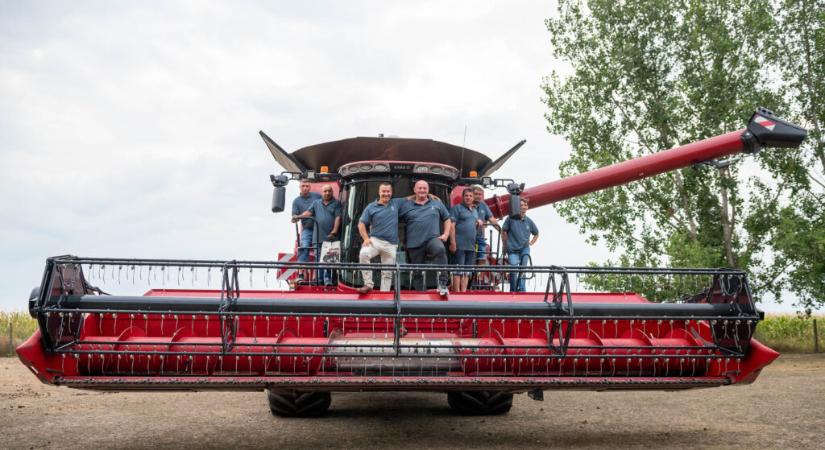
x,y
560,306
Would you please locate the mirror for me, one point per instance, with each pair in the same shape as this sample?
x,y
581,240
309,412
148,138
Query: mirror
x,y
278,199
515,206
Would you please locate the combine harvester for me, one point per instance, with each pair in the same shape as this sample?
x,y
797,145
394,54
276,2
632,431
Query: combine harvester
x,y
304,340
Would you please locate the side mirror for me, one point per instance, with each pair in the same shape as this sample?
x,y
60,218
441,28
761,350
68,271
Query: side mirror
x,y
278,199
515,191
515,206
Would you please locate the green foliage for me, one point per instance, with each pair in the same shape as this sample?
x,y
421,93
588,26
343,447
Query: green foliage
x,y
651,74
23,326
655,287
797,236
793,334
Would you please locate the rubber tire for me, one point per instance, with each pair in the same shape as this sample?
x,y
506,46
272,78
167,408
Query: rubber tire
x,y
480,403
298,404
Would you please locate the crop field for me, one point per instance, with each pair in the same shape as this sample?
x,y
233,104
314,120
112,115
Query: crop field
x,y
15,327
784,333
791,334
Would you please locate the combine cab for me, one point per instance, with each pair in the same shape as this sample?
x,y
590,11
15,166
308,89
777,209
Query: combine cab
x,y
252,325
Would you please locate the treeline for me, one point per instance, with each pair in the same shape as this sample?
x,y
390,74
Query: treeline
x,y
648,75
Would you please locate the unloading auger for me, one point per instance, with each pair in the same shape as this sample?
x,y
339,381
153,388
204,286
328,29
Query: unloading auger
x,y
252,325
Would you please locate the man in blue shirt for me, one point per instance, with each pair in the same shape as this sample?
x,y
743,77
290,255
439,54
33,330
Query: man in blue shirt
x,y
465,217
327,214
301,203
486,216
381,238
428,228
515,235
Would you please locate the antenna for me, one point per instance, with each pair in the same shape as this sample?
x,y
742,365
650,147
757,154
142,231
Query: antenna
x,y
463,144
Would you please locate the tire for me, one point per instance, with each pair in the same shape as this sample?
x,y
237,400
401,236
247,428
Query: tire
x,y
480,403
299,404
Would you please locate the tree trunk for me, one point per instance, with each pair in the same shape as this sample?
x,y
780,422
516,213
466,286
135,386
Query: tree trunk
x,y
727,222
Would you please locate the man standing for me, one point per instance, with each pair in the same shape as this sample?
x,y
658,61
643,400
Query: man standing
x,y
381,216
515,235
463,237
327,214
485,215
300,204
425,219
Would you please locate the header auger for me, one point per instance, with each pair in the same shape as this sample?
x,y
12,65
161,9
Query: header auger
x,y
248,325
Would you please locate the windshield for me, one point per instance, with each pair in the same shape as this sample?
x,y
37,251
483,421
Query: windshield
x,y
358,194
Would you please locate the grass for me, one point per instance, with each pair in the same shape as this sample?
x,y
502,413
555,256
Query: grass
x,y
784,333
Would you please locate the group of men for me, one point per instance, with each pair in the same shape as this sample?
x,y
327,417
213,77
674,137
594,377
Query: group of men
x,y
317,213
431,229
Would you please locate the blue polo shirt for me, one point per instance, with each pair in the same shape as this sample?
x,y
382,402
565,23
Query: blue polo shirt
x,y
518,233
484,214
464,219
423,221
301,204
382,220
325,215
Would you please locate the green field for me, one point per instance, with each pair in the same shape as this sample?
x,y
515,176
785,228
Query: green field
x,y
785,333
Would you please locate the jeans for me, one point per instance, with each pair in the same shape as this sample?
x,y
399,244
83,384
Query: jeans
x,y
518,258
305,244
481,247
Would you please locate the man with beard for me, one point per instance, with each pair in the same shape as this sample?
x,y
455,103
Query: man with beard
x,y
327,214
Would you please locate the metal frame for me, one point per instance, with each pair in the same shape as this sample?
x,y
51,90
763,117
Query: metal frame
x,y
727,306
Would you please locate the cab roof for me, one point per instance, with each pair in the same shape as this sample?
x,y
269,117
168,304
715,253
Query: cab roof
x,y
338,153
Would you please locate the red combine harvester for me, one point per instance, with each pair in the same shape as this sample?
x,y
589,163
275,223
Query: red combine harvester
x,y
300,340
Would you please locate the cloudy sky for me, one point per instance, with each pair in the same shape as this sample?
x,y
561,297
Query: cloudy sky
x,y
130,129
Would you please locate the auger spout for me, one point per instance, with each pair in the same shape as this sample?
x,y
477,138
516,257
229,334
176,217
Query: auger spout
x,y
763,130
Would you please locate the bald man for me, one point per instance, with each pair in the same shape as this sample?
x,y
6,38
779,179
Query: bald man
x,y
327,214
428,228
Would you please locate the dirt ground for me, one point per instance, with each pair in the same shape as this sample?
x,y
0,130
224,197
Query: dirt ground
x,y
785,408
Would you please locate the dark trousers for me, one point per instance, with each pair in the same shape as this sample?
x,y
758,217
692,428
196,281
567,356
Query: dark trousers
x,y
433,252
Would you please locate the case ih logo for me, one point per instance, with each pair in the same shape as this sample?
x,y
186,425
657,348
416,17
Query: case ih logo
x,y
765,123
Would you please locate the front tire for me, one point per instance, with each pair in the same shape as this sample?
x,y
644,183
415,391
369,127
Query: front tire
x,y
299,404
480,403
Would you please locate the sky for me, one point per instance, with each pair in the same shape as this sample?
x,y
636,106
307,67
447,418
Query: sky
x,y
130,129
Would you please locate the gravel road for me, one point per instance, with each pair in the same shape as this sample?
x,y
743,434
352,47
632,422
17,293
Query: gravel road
x,y
785,408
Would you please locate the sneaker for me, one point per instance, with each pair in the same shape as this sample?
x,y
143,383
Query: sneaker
x,y
364,289
442,291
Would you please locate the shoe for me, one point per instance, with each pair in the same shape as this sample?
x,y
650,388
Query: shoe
x,y
364,289
442,291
